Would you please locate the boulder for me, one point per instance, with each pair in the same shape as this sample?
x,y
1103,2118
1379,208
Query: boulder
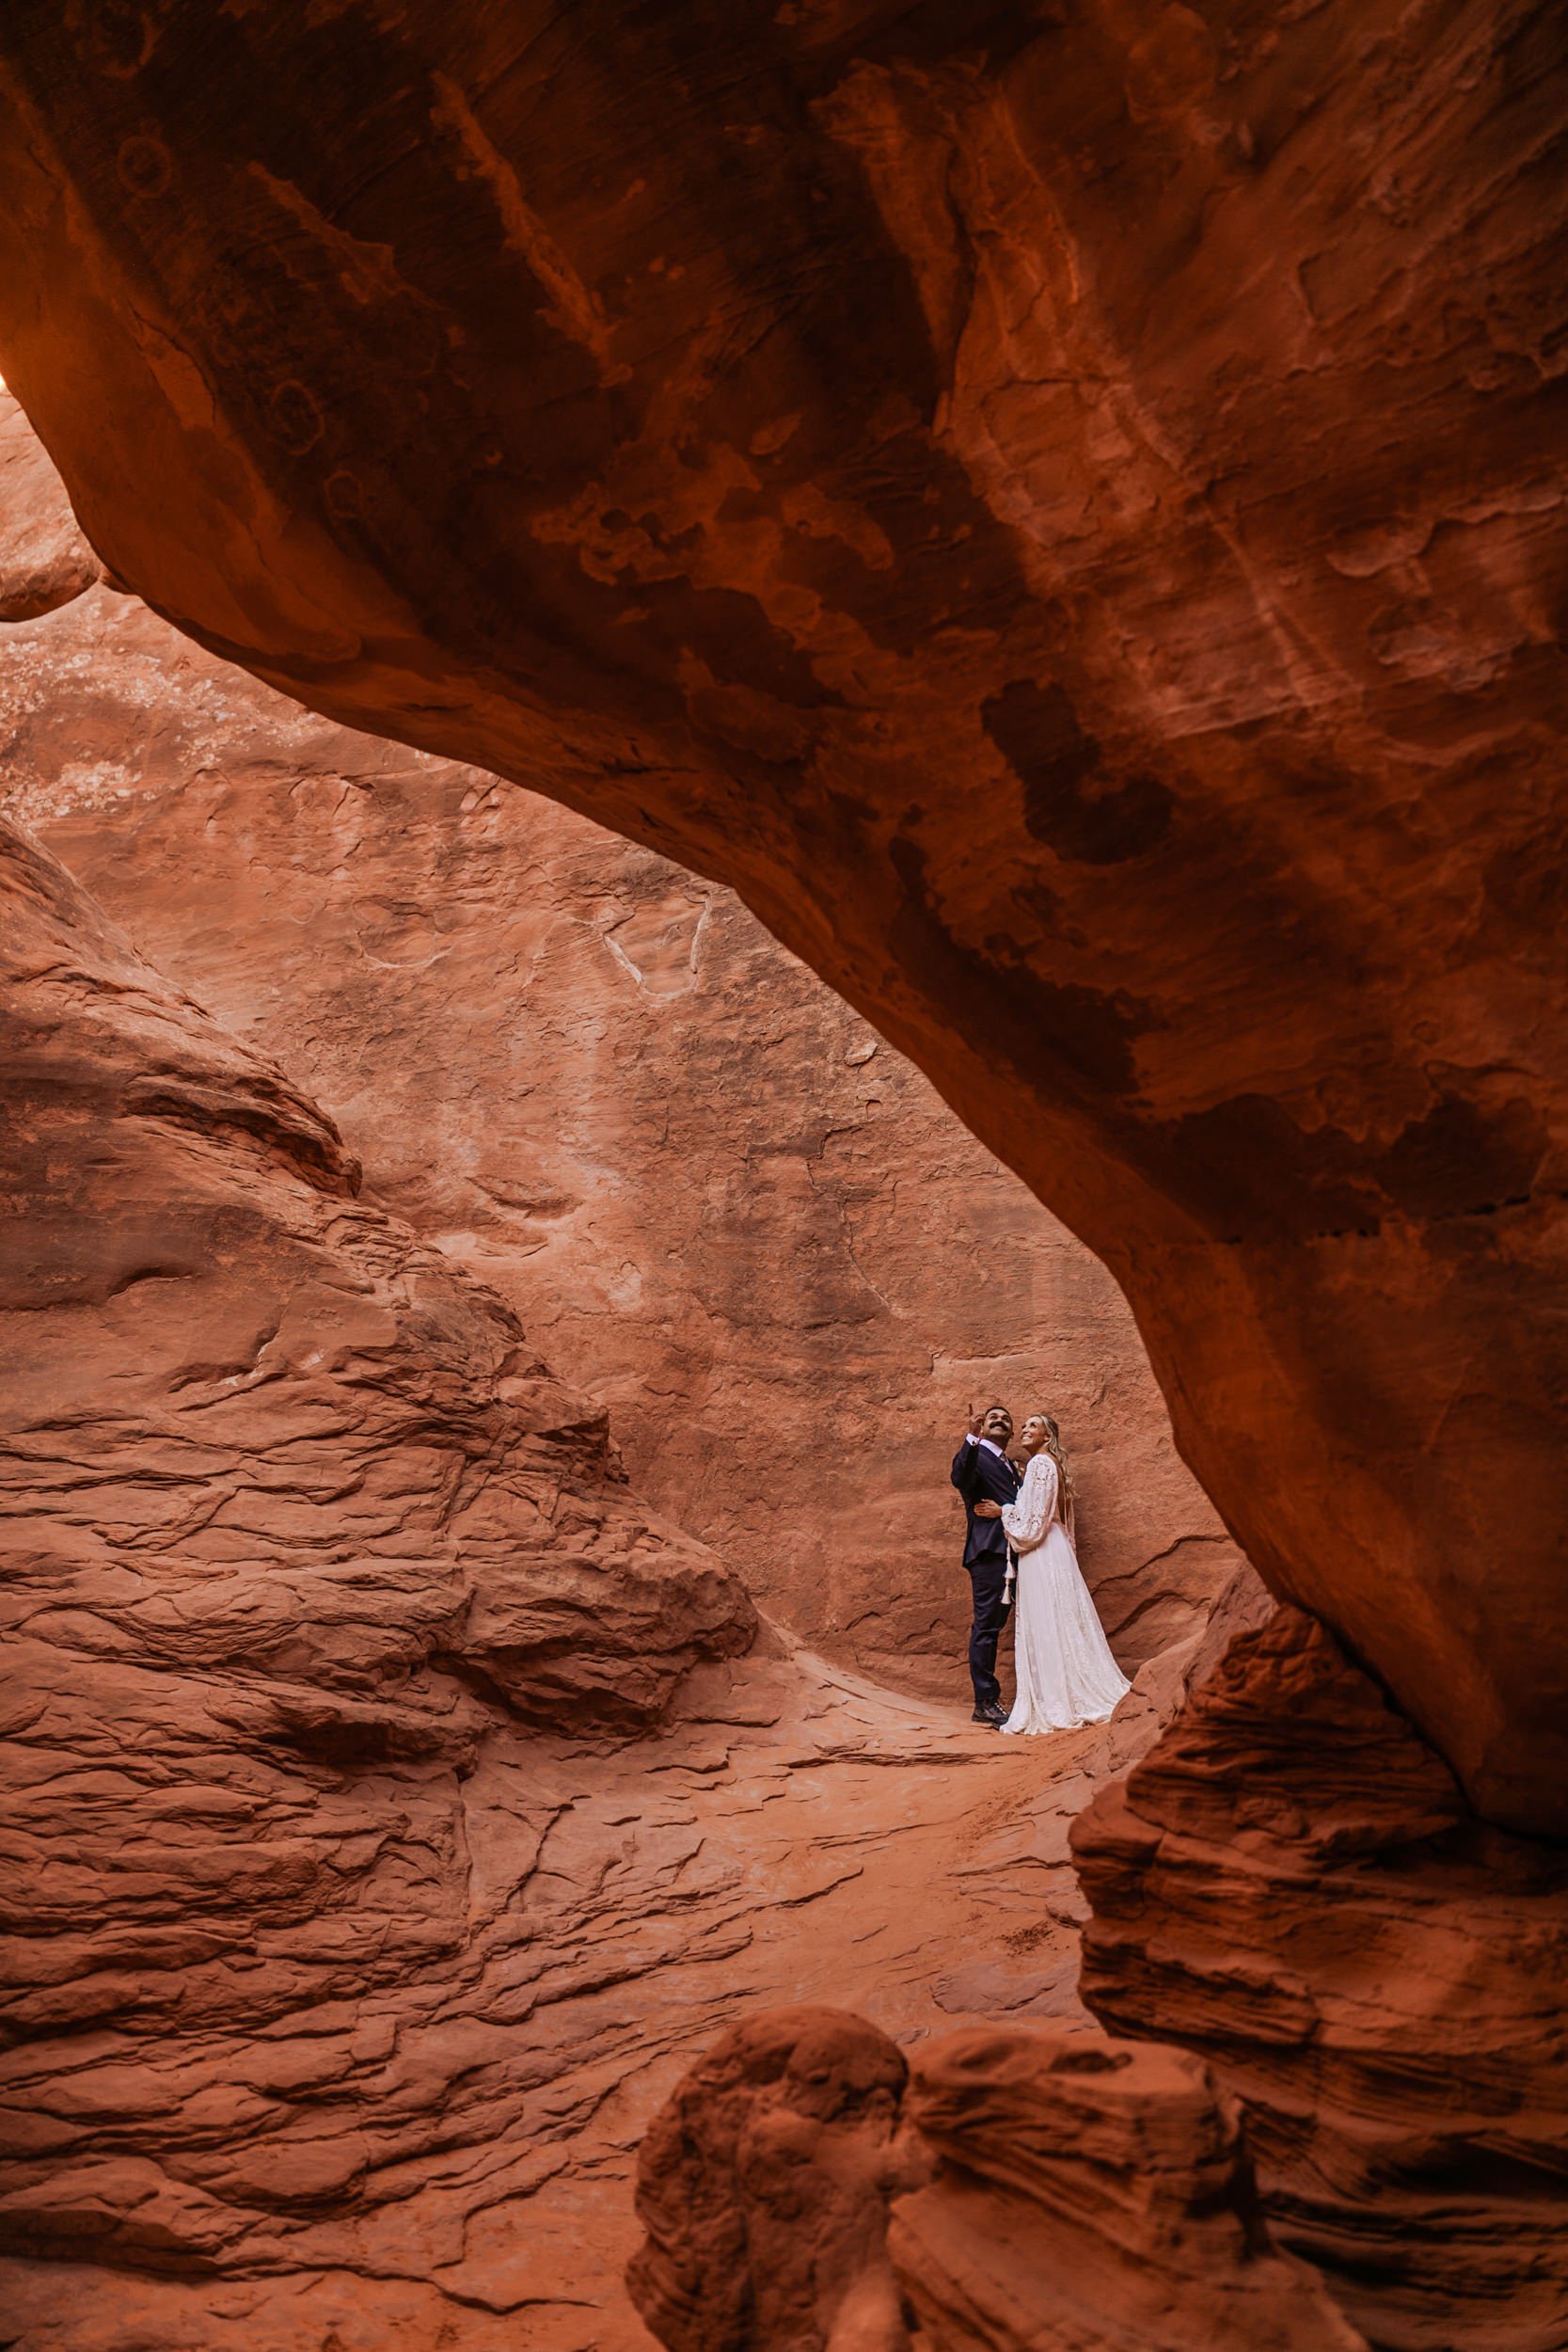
x,y
805,2191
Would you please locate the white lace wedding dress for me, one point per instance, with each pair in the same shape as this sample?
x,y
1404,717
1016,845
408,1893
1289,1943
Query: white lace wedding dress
x,y
1065,1671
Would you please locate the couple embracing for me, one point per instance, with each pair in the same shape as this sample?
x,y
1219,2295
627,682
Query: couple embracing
x,y
1020,1525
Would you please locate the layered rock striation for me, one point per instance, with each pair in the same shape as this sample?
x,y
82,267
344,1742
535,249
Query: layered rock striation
x,y
1359,2141
1060,511
293,1518
391,1798
1292,1884
1092,2197
804,2189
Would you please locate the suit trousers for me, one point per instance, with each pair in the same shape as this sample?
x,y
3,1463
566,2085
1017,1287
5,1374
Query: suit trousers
x,y
992,1611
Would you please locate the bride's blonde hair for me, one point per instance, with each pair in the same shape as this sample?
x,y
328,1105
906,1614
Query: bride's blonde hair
x,y
1066,1494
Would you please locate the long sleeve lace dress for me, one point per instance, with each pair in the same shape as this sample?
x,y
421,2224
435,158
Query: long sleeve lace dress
x,y
1066,1672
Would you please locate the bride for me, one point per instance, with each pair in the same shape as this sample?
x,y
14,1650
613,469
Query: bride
x,y
1066,1675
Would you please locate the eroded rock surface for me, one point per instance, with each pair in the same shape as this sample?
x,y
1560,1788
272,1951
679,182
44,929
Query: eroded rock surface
x,y
1062,510
1088,2196
764,2185
1292,1884
1092,2196
1362,2136
292,1516
350,1937
44,560
443,2156
1062,513
256,1423
746,1224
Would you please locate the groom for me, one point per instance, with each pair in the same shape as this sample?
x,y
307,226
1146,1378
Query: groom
x,y
983,1475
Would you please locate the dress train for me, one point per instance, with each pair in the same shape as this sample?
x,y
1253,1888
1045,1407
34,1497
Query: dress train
x,y
1066,1675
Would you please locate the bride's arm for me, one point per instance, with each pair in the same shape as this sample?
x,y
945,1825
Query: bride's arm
x,y
1027,1520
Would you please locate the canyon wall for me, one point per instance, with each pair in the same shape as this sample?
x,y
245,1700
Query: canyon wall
x,y
748,1226
391,1798
295,1520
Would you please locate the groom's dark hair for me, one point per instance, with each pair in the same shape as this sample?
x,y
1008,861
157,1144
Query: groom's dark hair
x,y
998,1408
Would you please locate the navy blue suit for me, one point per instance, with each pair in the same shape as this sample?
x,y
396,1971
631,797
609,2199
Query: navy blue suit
x,y
977,1472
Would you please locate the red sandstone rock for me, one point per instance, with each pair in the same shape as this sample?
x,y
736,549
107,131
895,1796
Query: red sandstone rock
x,y
1092,2196
261,1418
1063,516
1292,1884
440,2155
337,1967
44,560
1061,512
1088,2197
748,1227
273,1474
309,1938
764,2187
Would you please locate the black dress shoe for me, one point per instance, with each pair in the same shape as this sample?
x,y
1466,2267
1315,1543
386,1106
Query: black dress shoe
x,y
992,1715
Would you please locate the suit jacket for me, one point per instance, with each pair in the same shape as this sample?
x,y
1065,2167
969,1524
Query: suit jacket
x,y
977,1472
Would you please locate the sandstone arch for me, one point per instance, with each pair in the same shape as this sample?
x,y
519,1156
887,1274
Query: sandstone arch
x,y
755,1233
1059,509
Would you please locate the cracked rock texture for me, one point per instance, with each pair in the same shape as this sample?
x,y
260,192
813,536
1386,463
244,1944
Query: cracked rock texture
x,y
750,1227
350,1936
391,1806
253,1425
1361,2140
1060,508
294,1515
1291,1883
